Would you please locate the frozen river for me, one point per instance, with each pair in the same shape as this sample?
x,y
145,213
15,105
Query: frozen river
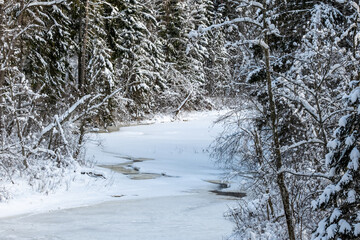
x,y
158,191
190,217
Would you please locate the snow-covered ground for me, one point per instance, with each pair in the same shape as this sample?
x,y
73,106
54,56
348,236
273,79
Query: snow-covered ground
x,y
165,196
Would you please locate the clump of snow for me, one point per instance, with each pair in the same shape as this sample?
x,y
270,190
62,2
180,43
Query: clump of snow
x,y
351,196
354,156
357,229
333,144
321,227
331,230
325,196
329,158
354,95
343,121
344,226
193,34
350,140
345,179
335,215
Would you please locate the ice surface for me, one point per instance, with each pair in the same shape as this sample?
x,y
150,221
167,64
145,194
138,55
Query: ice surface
x,y
189,217
175,206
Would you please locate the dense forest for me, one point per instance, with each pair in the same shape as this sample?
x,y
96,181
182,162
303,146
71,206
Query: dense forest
x,y
289,70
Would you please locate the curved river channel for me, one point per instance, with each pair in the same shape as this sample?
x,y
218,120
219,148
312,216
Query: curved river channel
x,y
162,180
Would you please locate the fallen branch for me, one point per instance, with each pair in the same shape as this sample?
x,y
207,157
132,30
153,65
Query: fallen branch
x,y
61,120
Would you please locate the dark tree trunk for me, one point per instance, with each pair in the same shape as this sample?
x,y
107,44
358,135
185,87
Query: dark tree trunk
x,y
83,39
280,180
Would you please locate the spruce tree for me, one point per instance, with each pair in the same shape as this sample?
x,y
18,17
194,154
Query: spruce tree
x,y
341,198
136,54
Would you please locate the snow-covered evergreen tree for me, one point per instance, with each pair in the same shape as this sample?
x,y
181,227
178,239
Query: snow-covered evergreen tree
x,y
136,52
341,198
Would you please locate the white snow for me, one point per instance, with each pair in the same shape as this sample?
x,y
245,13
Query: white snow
x,y
357,229
335,215
345,179
325,196
354,156
344,226
333,144
350,140
354,95
343,121
329,158
331,230
321,227
193,34
351,198
168,207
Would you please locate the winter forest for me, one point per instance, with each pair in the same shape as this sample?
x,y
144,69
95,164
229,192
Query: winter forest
x,y
289,71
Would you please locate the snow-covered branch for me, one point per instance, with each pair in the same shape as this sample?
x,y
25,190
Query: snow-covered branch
x,y
300,174
307,106
298,144
202,30
65,115
97,106
253,4
47,3
259,42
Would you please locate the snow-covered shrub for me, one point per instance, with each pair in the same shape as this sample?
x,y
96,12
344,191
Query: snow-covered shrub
x,y
253,222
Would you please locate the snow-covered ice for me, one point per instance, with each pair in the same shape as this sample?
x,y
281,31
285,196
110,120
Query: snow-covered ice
x,y
176,204
187,217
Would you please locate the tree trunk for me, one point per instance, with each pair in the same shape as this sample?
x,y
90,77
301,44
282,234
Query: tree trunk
x,y
277,154
2,52
83,39
2,73
280,180
80,141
